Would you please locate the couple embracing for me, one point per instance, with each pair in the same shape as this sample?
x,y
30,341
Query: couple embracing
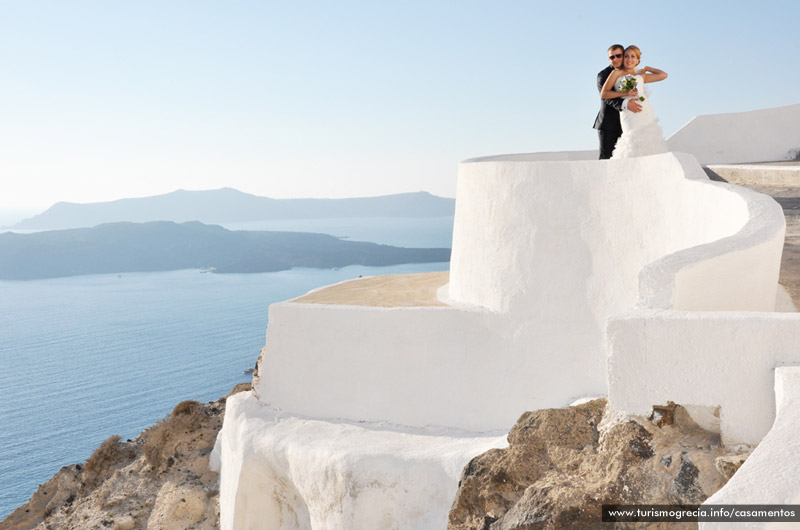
x,y
626,124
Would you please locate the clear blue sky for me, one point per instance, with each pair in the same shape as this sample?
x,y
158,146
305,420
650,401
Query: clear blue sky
x,y
105,99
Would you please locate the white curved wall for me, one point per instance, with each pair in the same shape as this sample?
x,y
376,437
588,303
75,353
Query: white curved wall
x,y
755,136
727,273
566,239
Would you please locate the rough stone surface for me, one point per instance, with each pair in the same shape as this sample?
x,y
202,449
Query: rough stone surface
x,y
562,465
180,506
159,481
728,465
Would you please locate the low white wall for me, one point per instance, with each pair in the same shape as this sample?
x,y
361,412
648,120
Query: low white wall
x,y
467,369
739,137
543,254
769,476
409,366
723,359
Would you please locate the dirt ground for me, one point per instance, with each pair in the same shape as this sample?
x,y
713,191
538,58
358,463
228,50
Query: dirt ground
x,y
400,290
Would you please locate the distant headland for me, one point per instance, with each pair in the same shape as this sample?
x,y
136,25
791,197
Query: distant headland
x,y
165,245
227,205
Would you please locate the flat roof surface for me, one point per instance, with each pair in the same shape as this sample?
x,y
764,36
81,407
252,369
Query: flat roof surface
x,y
396,290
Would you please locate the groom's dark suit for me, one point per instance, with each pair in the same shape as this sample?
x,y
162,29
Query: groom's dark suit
x,y
607,122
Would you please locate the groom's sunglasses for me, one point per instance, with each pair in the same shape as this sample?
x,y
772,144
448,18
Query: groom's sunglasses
x,y
617,56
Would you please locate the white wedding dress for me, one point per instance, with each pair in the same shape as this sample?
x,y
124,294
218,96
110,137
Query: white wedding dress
x,y
641,134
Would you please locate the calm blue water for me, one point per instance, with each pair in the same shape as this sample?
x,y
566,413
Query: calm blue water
x,y
86,357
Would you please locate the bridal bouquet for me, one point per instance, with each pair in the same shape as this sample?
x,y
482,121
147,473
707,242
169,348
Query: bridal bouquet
x,y
629,82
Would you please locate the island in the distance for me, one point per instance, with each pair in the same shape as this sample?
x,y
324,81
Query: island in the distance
x,y
165,245
228,205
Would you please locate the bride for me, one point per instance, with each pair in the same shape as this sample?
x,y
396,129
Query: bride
x,y
641,134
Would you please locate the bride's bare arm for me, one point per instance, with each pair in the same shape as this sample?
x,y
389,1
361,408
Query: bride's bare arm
x,y
608,91
651,75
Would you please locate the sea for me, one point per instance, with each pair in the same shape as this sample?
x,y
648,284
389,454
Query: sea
x,y
87,357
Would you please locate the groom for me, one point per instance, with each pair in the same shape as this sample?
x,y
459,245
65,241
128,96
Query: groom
x,y
607,122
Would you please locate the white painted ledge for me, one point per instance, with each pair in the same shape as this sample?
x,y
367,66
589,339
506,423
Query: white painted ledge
x,y
286,472
769,476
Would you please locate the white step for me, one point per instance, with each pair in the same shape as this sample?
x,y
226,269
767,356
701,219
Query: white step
x,y
771,174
